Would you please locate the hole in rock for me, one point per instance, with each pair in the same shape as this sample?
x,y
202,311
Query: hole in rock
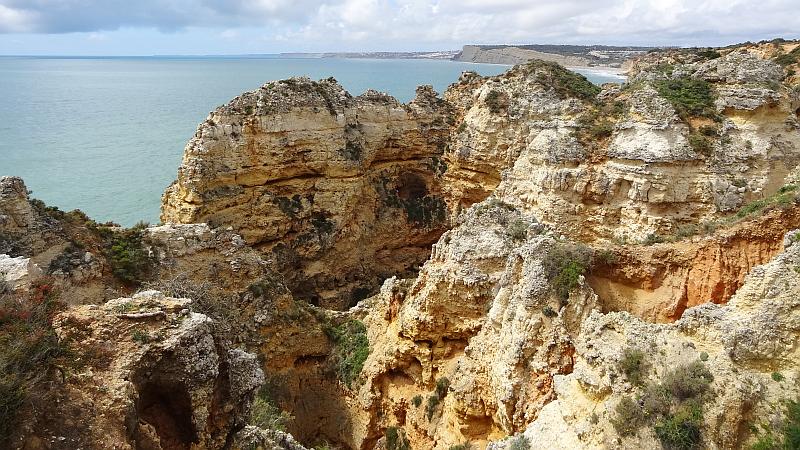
x,y
412,186
168,410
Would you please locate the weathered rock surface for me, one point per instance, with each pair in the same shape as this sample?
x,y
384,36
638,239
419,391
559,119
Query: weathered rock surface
x,y
743,342
148,373
316,178
641,174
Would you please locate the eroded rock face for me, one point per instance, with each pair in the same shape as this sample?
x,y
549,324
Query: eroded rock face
x,y
480,330
148,374
743,344
317,178
642,168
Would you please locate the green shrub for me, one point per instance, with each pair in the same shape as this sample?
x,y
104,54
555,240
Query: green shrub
x,y
142,337
266,414
690,97
417,400
628,417
700,143
521,442
350,349
784,196
688,381
787,59
786,434
442,385
130,261
565,83
396,439
517,230
633,365
548,311
777,376
564,265
653,238
430,408
681,431
673,407
496,101
703,356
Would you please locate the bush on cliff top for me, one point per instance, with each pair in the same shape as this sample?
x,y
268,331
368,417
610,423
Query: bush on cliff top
x,y
565,83
673,407
691,97
130,261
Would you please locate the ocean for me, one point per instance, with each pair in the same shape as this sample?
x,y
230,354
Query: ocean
x,y
106,135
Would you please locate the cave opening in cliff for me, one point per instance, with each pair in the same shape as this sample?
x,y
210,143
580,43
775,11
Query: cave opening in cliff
x,y
166,409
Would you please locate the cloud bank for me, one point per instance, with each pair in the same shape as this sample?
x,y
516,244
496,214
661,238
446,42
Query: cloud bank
x,y
422,21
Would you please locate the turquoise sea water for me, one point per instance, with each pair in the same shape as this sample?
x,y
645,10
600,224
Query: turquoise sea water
x,y
106,135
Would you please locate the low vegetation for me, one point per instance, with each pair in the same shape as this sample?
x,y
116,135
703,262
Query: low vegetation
x,y
29,350
787,59
350,349
691,97
130,261
266,414
396,439
784,197
520,442
564,265
442,385
496,101
565,83
672,407
783,434
633,365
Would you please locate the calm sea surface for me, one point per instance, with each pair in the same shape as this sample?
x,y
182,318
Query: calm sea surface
x,y
105,135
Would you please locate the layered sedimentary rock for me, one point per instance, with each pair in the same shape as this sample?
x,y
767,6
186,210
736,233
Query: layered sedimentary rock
x,y
625,165
318,179
749,346
148,373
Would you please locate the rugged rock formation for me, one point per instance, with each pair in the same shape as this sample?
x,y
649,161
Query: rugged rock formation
x,y
600,268
316,179
627,165
745,344
146,373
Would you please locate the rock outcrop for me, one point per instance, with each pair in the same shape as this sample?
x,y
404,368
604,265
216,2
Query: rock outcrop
x,y
316,178
146,373
633,162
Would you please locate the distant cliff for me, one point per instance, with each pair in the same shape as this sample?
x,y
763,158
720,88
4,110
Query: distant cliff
x,y
566,55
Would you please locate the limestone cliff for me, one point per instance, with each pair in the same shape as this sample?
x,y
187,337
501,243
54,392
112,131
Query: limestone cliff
x,y
554,265
316,178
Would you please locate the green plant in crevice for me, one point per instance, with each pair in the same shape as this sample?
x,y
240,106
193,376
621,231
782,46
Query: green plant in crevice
x,y
130,262
673,406
564,264
396,439
266,414
350,349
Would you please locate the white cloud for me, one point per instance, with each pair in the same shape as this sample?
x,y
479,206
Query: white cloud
x,y
424,23
14,20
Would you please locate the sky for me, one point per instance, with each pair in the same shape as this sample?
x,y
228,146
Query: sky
x,y
208,27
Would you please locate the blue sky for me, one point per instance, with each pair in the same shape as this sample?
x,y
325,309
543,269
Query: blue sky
x,y
192,27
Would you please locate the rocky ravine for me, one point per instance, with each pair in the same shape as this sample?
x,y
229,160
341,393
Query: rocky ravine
x,y
536,262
